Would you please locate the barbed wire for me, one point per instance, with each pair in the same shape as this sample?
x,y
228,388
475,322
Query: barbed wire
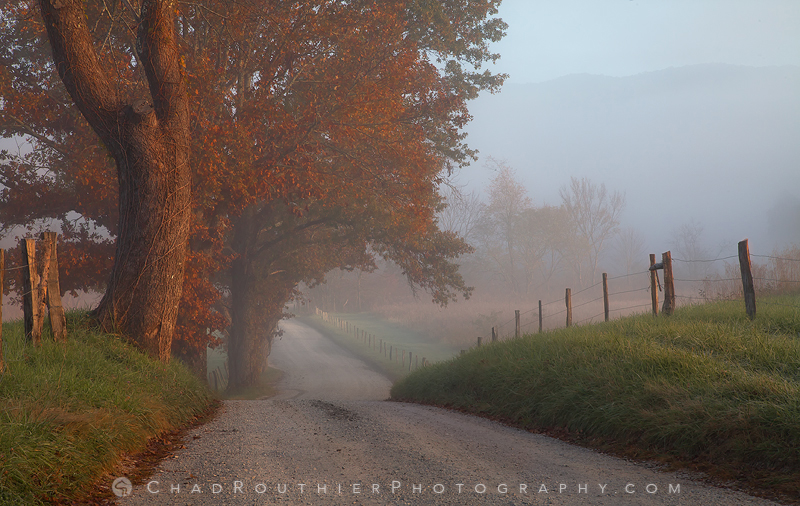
x,y
631,307
704,261
645,289
777,258
706,279
628,275
590,318
587,302
7,269
777,280
587,288
768,303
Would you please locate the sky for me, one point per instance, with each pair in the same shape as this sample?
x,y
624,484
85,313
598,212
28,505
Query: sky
x,y
547,39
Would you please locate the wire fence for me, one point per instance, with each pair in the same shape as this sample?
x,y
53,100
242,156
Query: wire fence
x,y
716,279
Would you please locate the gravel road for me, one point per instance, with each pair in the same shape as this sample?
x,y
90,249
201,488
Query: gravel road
x,y
329,437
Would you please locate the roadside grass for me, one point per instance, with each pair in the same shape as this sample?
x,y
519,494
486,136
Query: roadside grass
x,y
392,334
706,388
73,413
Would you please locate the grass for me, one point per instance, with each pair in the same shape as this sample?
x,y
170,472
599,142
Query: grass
x,y
72,412
217,359
705,388
392,334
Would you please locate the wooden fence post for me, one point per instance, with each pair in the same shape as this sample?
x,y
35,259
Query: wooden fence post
x,y
568,301
29,292
41,289
517,328
605,294
479,341
2,285
669,285
747,279
540,316
494,335
654,285
58,321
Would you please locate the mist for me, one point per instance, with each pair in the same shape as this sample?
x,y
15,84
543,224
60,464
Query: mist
x,y
690,110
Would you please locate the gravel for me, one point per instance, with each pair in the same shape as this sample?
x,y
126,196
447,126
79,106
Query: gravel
x,y
330,438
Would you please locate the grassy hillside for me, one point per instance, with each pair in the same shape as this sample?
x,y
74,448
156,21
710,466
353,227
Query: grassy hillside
x,y
70,412
705,387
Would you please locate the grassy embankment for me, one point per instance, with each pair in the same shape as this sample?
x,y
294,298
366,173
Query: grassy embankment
x,y
396,336
73,414
706,388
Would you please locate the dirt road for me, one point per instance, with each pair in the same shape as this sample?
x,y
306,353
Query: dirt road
x,y
330,438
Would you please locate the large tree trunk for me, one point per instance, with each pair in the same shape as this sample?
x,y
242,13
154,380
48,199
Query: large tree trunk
x,y
252,329
149,140
252,322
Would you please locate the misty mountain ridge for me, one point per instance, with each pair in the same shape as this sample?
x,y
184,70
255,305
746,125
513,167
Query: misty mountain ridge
x,y
719,144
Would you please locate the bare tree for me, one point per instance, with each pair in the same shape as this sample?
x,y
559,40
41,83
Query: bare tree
x,y
500,222
687,246
594,213
629,247
462,212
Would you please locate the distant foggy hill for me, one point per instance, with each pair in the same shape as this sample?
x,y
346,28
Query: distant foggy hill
x,y
715,143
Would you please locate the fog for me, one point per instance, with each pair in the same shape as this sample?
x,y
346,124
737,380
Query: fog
x,y
691,109
713,143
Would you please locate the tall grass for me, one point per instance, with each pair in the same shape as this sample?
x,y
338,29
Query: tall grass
x,y
69,412
704,386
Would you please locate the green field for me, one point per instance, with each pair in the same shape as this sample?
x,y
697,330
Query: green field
x,y
705,388
71,412
394,336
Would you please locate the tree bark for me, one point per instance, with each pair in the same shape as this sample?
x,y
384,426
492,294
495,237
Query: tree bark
x,y
149,140
250,334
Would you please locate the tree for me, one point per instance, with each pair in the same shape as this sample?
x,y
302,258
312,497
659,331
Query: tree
x,y
461,212
687,243
300,111
148,138
629,246
595,214
500,224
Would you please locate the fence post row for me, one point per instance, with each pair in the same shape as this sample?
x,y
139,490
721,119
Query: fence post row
x,y
747,279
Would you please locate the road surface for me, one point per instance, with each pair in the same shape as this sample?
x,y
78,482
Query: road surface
x,y
329,437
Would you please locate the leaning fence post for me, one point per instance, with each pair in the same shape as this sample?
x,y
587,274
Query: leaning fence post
x,y
747,279
605,294
568,301
540,316
654,285
669,284
517,328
